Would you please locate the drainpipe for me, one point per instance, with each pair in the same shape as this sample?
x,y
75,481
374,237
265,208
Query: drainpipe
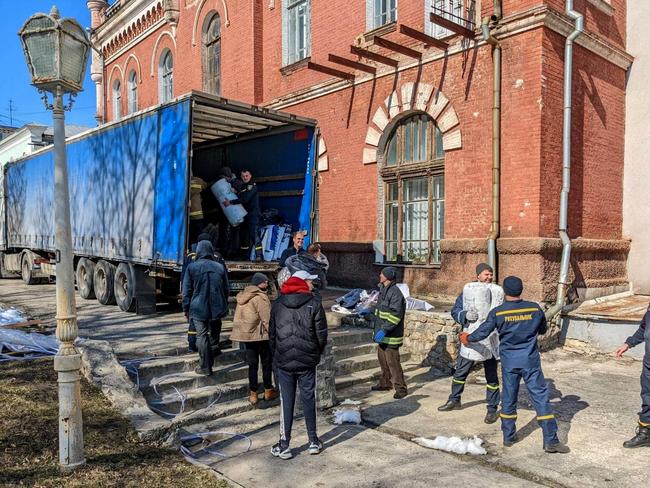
x,y
563,281
496,136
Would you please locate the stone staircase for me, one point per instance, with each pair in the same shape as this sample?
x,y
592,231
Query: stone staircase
x,y
174,391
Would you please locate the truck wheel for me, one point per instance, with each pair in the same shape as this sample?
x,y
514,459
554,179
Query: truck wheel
x,y
85,272
26,272
103,279
125,287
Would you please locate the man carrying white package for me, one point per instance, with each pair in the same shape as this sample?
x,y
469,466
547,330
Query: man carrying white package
x,y
470,311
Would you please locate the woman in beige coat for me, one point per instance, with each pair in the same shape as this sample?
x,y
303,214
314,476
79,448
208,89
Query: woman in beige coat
x,y
251,326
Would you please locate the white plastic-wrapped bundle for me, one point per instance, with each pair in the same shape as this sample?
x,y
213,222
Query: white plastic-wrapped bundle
x,y
481,297
223,191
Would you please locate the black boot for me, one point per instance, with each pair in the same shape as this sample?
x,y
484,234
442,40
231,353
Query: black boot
x,y
642,438
450,405
491,417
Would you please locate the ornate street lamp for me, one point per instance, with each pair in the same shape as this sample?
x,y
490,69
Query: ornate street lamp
x,y
57,52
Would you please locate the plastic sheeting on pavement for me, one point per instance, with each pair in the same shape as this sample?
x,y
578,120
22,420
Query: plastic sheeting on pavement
x,y
30,345
471,445
216,443
11,316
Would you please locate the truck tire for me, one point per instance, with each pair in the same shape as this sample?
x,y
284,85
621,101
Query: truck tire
x,y
85,276
103,282
26,272
125,287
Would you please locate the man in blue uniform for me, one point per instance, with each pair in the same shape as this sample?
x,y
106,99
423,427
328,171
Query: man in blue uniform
x,y
248,196
519,323
642,437
464,365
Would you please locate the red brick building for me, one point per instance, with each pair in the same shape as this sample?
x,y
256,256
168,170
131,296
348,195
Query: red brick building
x,y
405,157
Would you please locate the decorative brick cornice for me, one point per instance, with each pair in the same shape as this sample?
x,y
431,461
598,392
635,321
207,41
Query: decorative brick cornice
x,y
509,26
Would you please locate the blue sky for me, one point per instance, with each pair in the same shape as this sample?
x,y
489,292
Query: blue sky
x,y
15,83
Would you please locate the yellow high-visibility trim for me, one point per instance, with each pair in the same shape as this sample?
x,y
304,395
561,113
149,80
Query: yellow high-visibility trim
x,y
458,382
393,319
507,416
493,388
194,185
546,417
191,332
196,213
392,341
643,424
518,310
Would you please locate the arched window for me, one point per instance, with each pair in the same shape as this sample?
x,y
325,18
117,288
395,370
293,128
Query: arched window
x,y
117,100
132,94
414,191
166,76
212,56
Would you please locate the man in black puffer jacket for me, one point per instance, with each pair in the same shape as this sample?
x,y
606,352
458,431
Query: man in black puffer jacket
x,y
309,262
298,335
205,302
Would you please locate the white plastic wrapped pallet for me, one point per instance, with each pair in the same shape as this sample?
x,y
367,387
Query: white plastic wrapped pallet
x,y
223,191
481,297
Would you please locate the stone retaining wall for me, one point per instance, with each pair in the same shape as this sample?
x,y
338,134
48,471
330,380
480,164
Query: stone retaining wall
x,y
432,339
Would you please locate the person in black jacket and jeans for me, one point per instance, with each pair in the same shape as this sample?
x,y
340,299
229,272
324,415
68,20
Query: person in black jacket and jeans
x,y
298,335
205,302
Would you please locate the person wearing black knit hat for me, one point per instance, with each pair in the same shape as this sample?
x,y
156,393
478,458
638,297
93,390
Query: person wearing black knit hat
x,y
467,358
518,323
389,333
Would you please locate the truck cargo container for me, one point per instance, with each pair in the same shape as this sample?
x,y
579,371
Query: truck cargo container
x,y
129,187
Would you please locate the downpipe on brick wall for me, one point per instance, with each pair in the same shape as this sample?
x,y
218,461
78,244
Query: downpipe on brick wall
x,y
563,281
496,136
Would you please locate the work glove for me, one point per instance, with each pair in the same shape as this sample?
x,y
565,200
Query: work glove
x,y
464,338
471,315
379,336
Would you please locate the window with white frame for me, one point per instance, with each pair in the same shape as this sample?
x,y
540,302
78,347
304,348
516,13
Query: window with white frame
x,y
132,93
117,100
296,25
380,12
166,76
414,192
460,12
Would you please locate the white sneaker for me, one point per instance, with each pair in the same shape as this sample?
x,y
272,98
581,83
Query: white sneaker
x,y
285,453
315,447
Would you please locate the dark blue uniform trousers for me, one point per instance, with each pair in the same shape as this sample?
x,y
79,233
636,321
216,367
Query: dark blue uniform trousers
x,y
463,368
644,414
538,391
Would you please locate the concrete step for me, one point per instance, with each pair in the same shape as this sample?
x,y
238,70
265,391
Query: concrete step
x,y
344,352
189,380
349,336
199,398
361,363
185,363
208,418
370,376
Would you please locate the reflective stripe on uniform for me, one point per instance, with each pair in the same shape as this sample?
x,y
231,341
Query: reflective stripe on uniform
x,y
508,416
392,341
644,424
546,417
518,310
191,332
197,213
492,387
197,186
458,382
393,319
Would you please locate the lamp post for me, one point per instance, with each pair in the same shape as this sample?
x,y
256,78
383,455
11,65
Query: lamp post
x,y
57,52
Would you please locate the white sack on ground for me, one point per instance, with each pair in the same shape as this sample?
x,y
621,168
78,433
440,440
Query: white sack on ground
x,y
347,416
223,191
472,445
404,288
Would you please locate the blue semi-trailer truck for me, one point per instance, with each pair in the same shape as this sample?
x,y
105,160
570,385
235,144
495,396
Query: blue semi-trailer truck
x,y
129,187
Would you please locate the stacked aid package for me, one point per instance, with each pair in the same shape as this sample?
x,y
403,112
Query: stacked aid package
x,y
223,191
275,239
481,297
